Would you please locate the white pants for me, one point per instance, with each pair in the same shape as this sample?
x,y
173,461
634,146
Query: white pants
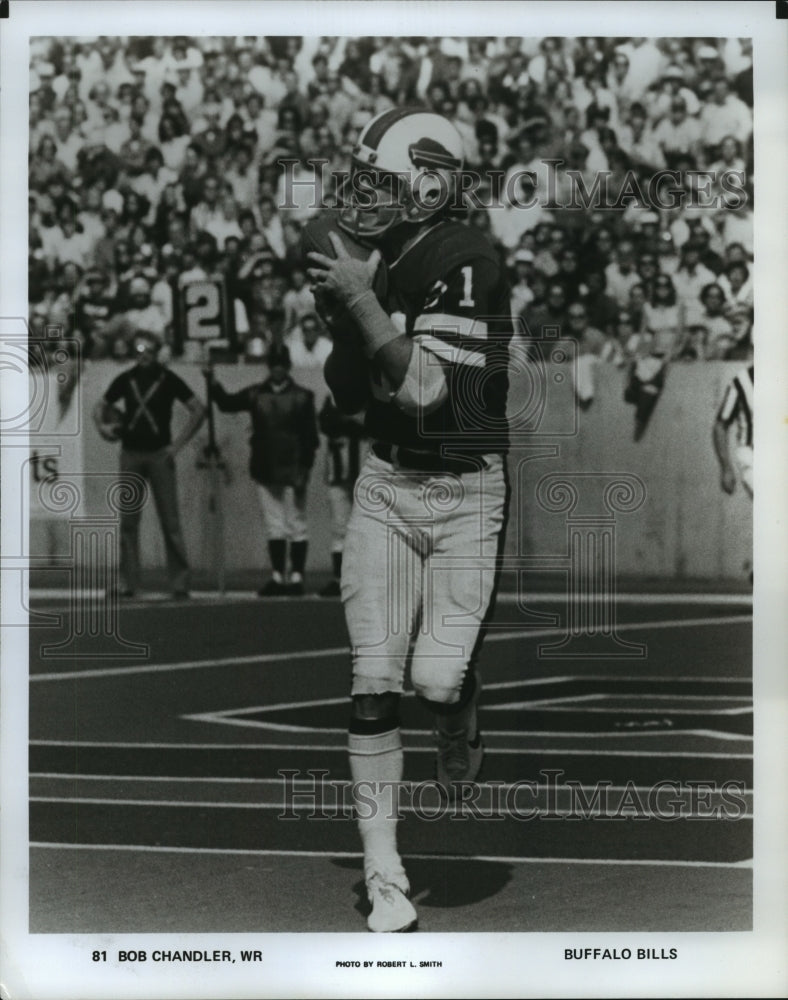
x,y
418,574
340,499
744,462
284,512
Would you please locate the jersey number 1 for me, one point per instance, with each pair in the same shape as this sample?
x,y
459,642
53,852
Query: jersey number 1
x,y
467,297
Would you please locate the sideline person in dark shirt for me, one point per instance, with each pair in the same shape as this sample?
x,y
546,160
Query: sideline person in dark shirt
x,y
283,442
136,410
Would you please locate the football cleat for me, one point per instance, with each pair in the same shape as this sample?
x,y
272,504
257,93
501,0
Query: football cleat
x,y
331,589
274,588
459,758
392,911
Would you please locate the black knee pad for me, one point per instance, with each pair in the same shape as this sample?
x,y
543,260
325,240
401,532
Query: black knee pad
x,y
467,692
373,727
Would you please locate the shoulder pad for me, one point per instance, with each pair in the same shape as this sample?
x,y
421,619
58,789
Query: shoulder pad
x,y
448,246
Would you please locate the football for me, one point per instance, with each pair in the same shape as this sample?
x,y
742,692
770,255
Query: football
x,y
114,421
315,236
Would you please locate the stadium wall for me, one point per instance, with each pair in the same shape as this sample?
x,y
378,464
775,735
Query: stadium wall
x,y
685,527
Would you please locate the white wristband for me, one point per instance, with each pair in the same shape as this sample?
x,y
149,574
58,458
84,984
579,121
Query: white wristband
x,y
374,322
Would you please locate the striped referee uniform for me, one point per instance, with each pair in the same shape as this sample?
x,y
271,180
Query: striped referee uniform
x,y
737,409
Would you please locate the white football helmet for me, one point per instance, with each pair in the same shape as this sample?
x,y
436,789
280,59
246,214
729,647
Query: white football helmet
x,y
405,169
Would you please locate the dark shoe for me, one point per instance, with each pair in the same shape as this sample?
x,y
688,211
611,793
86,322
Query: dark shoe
x,y
272,589
181,595
295,589
331,589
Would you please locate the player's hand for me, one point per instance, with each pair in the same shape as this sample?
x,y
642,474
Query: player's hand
x,y
329,308
728,480
343,276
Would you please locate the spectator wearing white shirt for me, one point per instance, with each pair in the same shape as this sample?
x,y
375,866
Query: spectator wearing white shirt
x,y
263,120
691,278
645,61
678,135
299,193
271,227
152,181
621,275
68,142
724,114
155,67
189,91
113,132
720,335
298,300
89,217
226,224
521,293
67,242
242,176
671,85
208,210
172,143
736,284
638,141
308,346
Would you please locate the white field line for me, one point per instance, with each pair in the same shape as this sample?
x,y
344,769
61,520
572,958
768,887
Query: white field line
x,y
344,810
463,858
312,654
155,599
339,748
309,783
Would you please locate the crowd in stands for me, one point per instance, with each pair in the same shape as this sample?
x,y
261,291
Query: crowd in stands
x,y
155,162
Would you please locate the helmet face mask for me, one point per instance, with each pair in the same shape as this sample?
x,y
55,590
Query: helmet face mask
x,y
404,170
370,202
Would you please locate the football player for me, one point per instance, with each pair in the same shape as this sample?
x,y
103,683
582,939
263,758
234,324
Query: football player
x,y
429,364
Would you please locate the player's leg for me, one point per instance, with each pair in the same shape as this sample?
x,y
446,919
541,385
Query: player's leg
x,y
128,584
297,532
275,525
458,599
375,587
165,494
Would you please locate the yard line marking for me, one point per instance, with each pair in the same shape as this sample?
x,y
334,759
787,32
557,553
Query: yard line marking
x,y
281,727
311,654
344,810
608,696
335,783
503,685
464,858
155,599
328,747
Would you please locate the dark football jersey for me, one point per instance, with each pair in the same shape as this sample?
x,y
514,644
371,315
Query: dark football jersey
x,y
448,292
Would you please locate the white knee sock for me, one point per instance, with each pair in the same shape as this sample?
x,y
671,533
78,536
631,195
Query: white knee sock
x,y
374,760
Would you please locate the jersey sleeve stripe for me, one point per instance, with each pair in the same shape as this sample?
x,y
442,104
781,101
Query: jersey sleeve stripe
x,y
727,409
464,325
450,353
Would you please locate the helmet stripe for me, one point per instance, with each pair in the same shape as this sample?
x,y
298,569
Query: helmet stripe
x,y
380,126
